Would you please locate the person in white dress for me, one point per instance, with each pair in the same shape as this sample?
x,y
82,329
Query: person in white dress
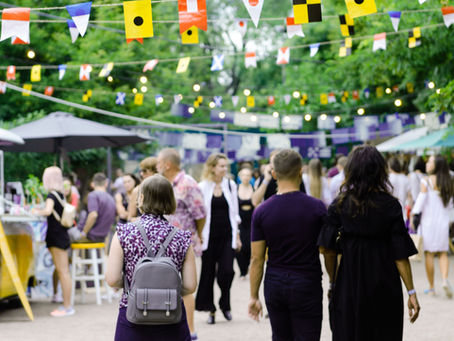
x,y
337,180
416,176
434,203
400,183
316,185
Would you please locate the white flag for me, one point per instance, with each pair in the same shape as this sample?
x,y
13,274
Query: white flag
x,y
2,87
84,73
241,26
448,15
283,56
314,49
235,100
254,8
395,19
422,1
250,60
16,24
80,13
61,71
294,29
150,65
106,69
379,42
73,31
287,99
217,63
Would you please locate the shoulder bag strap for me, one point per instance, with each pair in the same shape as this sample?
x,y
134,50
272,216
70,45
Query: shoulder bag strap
x,y
166,243
54,212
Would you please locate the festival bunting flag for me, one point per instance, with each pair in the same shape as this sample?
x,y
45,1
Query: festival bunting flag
x,y
346,48
241,26
283,56
150,65
250,60
366,92
192,13
217,63
177,99
49,91
27,88
306,11
379,92
138,99
35,75
120,98
254,8
73,31
303,99
2,87
87,95
61,71
323,99
250,101
138,20
84,73
314,49
287,99
198,101
345,95
346,25
217,101
106,69
395,19
379,42
359,8
271,100
294,29
16,25
422,1
235,100
355,95
80,13
183,64
190,36
410,88
414,37
331,97
448,15
11,73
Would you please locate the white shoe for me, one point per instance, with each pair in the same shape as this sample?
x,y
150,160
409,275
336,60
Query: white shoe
x,y
448,290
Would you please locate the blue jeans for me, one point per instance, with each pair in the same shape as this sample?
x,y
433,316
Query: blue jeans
x,y
294,304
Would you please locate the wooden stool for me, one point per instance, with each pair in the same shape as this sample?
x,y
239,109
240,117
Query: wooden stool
x,y
79,261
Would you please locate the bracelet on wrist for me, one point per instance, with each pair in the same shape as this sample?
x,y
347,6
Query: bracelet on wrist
x,y
411,292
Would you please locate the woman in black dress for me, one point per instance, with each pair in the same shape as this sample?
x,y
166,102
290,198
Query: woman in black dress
x,y
366,226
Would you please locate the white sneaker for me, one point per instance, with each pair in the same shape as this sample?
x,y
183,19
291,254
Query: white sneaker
x,y
63,312
448,290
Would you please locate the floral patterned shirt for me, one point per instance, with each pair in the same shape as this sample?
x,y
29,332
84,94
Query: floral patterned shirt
x,y
157,229
190,207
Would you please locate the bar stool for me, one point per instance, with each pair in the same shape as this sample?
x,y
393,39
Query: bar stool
x,y
78,261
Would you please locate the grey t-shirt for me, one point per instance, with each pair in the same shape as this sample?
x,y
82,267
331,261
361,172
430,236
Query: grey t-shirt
x,y
104,204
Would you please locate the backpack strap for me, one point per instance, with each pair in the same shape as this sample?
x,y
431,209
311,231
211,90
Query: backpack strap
x,y
144,234
62,203
166,243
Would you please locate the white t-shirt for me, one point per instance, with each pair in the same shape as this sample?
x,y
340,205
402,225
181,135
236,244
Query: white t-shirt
x,y
401,187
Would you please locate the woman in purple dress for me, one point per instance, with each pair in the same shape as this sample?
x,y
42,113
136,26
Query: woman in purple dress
x,y
156,199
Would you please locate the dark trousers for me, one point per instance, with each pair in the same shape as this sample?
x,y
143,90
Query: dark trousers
x,y
244,256
294,304
217,262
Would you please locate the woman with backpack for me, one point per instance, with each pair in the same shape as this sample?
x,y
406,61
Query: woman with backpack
x,y
128,248
57,238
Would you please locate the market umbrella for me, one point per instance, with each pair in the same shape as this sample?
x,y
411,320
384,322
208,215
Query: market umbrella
x,y
428,141
410,135
7,138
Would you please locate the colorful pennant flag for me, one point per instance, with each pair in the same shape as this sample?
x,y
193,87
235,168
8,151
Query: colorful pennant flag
x,y
150,65
355,95
35,75
379,42
11,73
27,88
314,49
346,48
323,99
198,101
192,13
106,69
287,99
241,26
235,100
177,99
346,25
217,101
138,99
87,95
138,20
61,71
410,88
331,97
294,29
414,37
16,24
422,1
448,15
366,92
359,8
183,64
306,11
379,92
395,19
73,31
283,56
84,73
217,63
250,101
250,60
303,99
254,8
120,98
344,96
80,13
2,87
190,36
49,91
271,100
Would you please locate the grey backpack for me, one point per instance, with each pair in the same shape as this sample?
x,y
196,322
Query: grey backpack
x,y
154,297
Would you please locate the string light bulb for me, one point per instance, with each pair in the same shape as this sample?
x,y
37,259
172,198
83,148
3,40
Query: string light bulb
x,y
247,92
134,91
275,114
253,118
308,117
212,105
398,102
191,110
143,79
438,91
337,118
296,94
222,115
422,116
431,85
323,117
144,89
361,111
243,110
196,87
388,90
287,119
31,54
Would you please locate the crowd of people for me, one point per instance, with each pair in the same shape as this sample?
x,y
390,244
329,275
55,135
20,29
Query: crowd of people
x,y
357,214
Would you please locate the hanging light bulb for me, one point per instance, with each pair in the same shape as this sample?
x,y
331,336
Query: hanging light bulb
x,y
191,110
398,102
287,119
143,79
422,116
134,91
212,105
337,118
144,89
323,117
431,85
31,54
361,111
308,117
222,115
110,79
296,94
196,87
275,114
388,90
243,110
247,92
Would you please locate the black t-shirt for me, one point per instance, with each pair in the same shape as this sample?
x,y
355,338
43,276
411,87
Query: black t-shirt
x,y
220,221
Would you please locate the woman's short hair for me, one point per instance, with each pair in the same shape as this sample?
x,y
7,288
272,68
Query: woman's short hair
x,y
210,163
53,179
149,164
287,164
158,197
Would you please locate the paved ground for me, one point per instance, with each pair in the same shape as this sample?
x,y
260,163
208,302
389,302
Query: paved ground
x,y
93,322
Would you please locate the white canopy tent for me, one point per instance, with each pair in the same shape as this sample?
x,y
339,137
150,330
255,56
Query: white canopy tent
x,y
408,136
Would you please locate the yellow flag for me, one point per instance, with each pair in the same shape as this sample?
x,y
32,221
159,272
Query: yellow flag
x,y
89,93
85,98
138,99
410,88
27,87
306,11
35,75
138,19
183,64
359,8
190,36
324,99
303,99
250,102
379,92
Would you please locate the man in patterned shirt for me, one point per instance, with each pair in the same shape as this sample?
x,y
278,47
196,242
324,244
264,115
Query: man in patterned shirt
x,y
190,213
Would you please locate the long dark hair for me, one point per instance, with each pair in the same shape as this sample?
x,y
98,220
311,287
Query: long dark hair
x,y
444,181
366,172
